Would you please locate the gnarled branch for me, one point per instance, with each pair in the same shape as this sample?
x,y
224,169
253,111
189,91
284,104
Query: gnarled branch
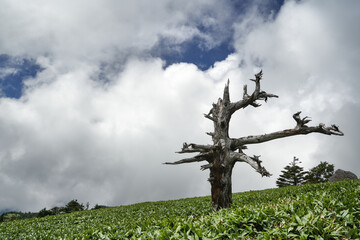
x,y
251,99
300,122
192,147
254,162
300,129
198,158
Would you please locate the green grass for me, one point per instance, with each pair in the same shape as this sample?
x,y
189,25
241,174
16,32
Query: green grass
x,y
319,211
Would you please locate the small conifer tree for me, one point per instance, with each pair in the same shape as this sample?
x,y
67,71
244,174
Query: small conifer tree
x,y
292,174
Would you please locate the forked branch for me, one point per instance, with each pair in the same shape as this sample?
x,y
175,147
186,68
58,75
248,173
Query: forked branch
x,y
300,129
256,95
300,122
254,162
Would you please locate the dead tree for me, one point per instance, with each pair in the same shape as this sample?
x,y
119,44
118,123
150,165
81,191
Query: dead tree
x,y
222,155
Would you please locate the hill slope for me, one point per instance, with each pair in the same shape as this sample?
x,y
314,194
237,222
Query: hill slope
x,y
319,211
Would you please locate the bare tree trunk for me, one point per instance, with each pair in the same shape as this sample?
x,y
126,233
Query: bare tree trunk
x,y
220,180
226,151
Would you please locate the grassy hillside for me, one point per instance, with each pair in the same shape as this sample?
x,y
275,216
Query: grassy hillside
x,y
319,211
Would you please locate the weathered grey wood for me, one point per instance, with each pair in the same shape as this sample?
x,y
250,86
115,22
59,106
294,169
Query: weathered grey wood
x,y
192,147
254,162
300,129
226,151
198,158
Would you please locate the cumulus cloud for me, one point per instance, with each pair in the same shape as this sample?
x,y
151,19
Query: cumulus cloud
x,y
101,30
77,134
106,144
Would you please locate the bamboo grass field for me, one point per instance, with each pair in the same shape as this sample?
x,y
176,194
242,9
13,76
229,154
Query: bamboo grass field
x,y
312,211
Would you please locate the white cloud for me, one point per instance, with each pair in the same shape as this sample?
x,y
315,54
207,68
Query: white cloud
x,y
101,30
75,138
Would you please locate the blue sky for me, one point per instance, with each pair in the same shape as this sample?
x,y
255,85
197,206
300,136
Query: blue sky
x,y
21,68
90,107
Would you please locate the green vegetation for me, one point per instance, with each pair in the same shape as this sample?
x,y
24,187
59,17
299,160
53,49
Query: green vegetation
x,y
72,206
12,215
311,211
320,173
292,174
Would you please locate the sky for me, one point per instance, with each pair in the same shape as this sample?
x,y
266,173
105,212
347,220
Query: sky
x,y
96,95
